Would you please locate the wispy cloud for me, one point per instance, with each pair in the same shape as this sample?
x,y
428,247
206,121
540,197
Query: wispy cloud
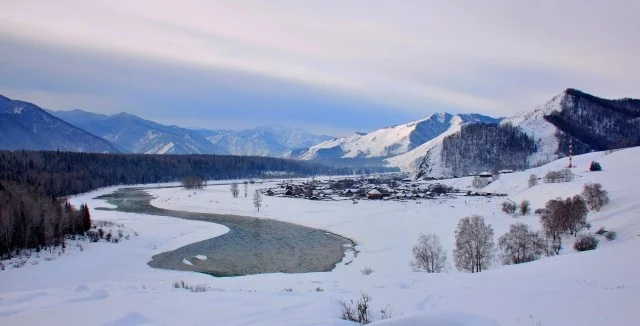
x,y
413,56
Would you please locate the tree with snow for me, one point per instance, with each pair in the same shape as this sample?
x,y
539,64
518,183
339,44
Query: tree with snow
x,y
257,199
429,255
533,180
520,245
246,188
475,247
594,196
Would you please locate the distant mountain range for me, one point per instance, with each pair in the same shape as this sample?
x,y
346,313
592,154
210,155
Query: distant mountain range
x,y
263,141
26,126
133,134
441,145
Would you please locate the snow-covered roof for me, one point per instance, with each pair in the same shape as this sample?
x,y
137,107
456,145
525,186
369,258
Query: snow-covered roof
x,y
374,192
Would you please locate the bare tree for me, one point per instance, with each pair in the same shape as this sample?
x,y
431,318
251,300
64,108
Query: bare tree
x,y
525,207
428,254
594,196
257,199
520,245
564,175
234,190
246,188
563,216
533,180
193,182
475,248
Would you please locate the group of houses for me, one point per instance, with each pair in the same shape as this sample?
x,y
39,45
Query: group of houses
x,y
385,187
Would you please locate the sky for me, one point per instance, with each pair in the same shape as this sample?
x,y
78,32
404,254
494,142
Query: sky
x,y
330,67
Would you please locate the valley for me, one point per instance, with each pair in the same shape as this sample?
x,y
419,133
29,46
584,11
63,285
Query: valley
x,y
112,283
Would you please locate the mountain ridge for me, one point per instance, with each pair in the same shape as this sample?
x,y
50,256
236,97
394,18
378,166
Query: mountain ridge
x,y
24,125
588,122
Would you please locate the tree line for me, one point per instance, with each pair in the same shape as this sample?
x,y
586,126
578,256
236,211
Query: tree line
x,y
481,147
65,173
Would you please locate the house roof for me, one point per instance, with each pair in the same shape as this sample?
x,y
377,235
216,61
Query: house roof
x,y
374,192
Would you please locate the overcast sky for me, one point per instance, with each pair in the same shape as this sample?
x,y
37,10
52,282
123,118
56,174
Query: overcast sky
x,y
326,66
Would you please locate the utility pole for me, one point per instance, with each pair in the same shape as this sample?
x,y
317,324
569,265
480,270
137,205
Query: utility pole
x,y
570,153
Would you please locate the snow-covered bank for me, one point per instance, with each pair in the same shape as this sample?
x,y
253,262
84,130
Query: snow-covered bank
x,y
110,284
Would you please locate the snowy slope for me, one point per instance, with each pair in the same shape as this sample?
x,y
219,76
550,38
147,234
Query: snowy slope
x,y
589,122
391,141
410,160
110,284
532,122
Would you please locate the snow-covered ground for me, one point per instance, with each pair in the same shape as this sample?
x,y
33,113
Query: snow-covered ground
x,y
110,284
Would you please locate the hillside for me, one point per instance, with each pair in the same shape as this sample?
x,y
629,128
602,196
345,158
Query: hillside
x,y
388,142
136,135
24,125
591,123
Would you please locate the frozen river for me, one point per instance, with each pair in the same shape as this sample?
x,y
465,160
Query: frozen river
x,y
252,245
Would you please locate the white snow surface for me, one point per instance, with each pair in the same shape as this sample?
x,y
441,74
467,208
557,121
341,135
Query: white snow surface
x,y
380,143
161,149
409,161
532,122
110,284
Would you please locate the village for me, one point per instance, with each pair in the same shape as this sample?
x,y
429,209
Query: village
x,y
396,186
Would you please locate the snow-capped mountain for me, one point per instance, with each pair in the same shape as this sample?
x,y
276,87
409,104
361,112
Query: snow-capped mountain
x,y
24,125
537,136
271,140
389,142
136,135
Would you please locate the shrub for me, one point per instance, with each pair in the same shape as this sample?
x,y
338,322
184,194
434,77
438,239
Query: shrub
x,y
509,207
586,242
429,255
539,211
533,180
611,235
594,196
366,271
358,312
601,231
595,166
193,288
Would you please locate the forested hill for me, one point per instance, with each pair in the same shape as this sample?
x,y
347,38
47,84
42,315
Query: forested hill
x,y
66,173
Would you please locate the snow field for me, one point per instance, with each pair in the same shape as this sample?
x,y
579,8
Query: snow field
x,y
110,284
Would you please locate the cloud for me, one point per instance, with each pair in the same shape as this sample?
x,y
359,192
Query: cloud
x,y
409,57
